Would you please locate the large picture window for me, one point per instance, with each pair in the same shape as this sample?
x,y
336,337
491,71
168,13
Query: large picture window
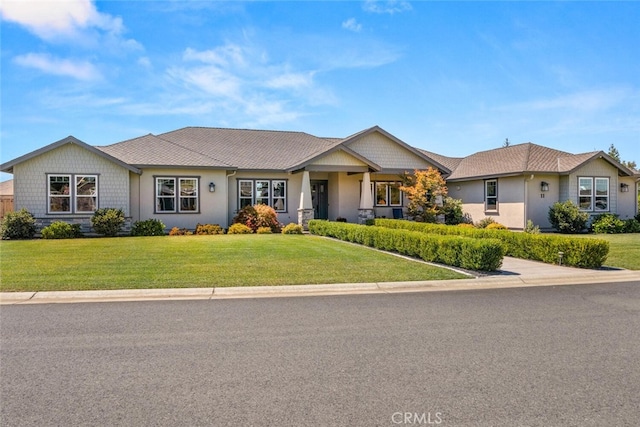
x,y
491,195
70,193
177,194
271,192
593,194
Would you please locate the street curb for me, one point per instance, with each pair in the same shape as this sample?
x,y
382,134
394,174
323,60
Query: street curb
x,y
487,282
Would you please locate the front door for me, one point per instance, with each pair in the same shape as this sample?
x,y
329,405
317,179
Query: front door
x,y
320,199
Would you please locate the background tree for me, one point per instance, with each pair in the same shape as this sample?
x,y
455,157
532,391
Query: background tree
x,y
613,152
425,190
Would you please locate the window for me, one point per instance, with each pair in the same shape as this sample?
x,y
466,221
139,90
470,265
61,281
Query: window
x,y
387,193
593,194
271,192
72,193
491,195
184,200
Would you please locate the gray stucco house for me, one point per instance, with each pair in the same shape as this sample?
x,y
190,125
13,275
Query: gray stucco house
x,y
205,175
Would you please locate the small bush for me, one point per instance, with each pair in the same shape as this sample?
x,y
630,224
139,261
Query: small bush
x,y
61,230
607,224
176,231
108,221
149,227
263,230
531,228
567,218
496,226
631,225
258,216
341,219
18,225
239,228
209,229
485,222
292,228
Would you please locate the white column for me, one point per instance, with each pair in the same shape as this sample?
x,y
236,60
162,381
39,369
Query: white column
x,y
305,192
366,201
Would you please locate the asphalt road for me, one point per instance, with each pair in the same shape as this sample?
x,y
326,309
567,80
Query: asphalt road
x,y
547,356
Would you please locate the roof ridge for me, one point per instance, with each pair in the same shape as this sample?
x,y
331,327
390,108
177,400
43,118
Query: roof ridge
x,y
239,129
194,151
126,140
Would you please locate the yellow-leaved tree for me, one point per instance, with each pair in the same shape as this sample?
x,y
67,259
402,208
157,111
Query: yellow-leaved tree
x,y
425,190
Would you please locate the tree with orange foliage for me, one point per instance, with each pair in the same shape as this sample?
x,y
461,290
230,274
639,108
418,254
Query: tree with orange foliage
x,y
425,190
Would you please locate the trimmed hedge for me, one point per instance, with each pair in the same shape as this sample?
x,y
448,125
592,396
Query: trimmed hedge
x,y
472,254
577,252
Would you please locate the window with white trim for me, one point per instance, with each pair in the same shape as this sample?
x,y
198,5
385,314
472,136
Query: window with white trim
x,y
593,194
68,193
177,194
491,195
387,193
271,192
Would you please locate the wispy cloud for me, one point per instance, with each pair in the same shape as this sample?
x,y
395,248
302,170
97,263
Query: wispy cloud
x,y
72,21
352,25
389,6
587,101
80,70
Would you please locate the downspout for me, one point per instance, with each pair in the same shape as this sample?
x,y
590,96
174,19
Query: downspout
x,y
227,194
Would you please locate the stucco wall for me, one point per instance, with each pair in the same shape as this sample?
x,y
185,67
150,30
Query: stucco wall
x,y
510,211
31,187
538,201
213,206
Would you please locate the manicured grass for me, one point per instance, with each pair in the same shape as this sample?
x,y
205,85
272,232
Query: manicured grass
x,y
198,261
624,249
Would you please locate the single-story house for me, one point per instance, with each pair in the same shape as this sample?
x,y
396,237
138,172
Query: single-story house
x,y
205,175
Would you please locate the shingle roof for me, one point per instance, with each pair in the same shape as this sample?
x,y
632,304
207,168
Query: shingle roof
x,y
518,159
449,162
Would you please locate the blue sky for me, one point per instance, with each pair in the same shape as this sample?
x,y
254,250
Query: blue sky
x,y
449,77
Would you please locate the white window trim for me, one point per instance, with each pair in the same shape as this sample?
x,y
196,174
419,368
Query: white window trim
x,y
73,193
593,180
177,196
270,197
487,197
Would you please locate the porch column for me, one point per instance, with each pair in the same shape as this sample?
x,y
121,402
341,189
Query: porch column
x,y
366,201
305,211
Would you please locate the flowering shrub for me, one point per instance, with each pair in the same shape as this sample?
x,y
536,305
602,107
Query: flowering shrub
x,y
209,229
175,231
263,230
258,216
292,229
239,228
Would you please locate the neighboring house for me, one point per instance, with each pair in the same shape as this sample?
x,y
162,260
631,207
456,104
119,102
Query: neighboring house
x,y
6,197
205,175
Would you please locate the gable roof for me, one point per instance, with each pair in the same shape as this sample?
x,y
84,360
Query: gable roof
x,y
8,166
526,158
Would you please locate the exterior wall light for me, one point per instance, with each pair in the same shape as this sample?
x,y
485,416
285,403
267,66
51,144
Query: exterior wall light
x,y
624,188
212,187
544,186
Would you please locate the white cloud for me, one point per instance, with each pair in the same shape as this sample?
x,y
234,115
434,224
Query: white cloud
x,y
145,62
389,6
352,25
49,19
80,70
589,100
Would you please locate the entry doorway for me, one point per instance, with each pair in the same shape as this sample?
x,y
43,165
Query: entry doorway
x,y
320,199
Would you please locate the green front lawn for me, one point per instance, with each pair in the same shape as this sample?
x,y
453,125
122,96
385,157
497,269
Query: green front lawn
x,y
624,249
198,261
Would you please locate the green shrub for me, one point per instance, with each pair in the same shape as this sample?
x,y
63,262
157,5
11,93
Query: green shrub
x,y
61,230
258,216
578,252
292,228
239,228
531,228
209,229
177,231
18,225
453,214
263,230
567,218
631,225
484,223
108,221
473,254
496,226
149,227
607,223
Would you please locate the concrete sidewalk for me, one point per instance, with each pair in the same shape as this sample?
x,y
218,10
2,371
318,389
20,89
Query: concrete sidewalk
x,y
514,273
